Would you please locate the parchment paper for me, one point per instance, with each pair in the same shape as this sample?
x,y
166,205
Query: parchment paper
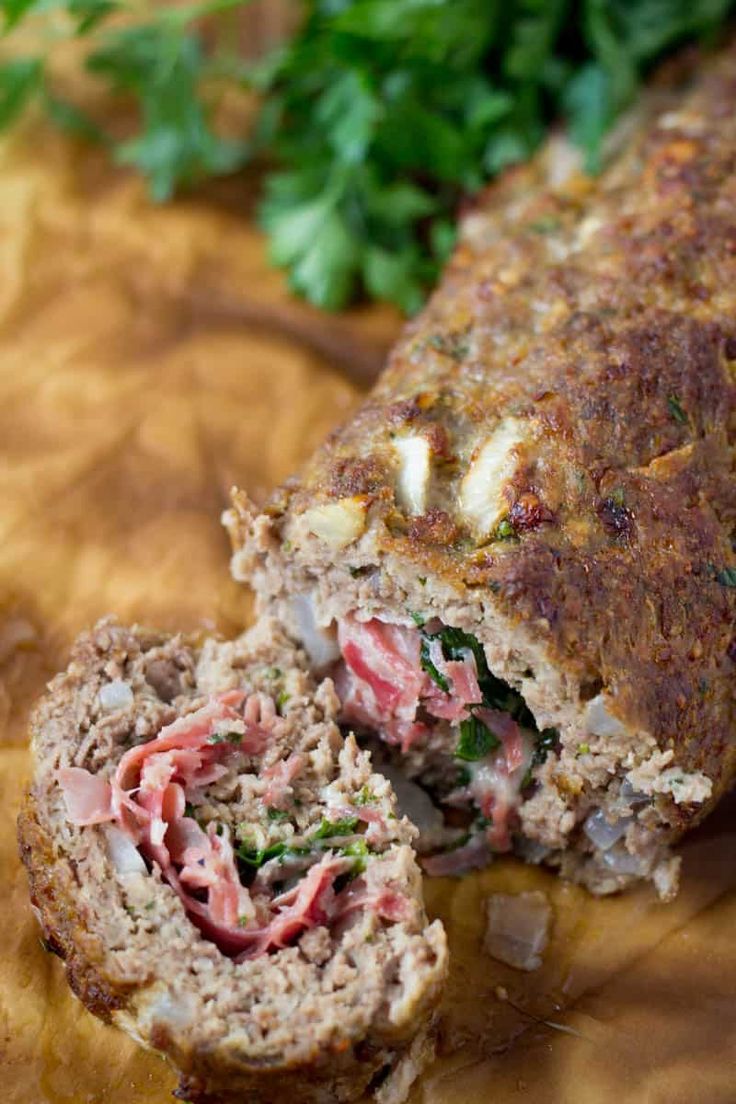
x,y
148,359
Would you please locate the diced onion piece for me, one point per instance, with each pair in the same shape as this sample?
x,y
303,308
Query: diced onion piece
x,y
178,1011
412,481
124,855
320,644
632,796
620,861
414,802
481,492
601,833
599,721
115,695
517,928
337,523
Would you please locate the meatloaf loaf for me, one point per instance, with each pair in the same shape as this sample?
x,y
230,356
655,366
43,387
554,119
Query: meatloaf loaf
x,y
517,559
223,873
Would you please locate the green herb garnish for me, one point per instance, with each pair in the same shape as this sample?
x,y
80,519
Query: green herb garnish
x,y
476,740
330,828
281,699
454,346
277,814
726,576
359,851
505,530
375,119
365,796
225,738
258,856
676,410
428,666
497,694
546,225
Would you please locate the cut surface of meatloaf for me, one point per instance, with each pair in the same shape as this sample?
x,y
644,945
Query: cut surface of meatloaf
x,y
224,875
519,554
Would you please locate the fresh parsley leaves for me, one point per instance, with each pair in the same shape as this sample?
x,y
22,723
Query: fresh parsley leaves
x,y
476,740
256,857
429,667
497,694
376,119
328,829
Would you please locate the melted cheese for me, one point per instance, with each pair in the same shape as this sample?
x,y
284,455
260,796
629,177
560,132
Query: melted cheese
x,y
482,501
412,482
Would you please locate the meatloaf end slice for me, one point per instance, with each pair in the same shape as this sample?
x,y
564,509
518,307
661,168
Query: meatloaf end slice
x,y
224,875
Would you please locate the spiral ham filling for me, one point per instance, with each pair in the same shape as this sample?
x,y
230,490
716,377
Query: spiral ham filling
x,y
147,800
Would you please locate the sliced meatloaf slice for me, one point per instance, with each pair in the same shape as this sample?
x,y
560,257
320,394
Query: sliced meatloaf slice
x,y
520,551
224,875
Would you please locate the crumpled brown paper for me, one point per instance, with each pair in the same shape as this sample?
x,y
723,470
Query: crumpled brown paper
x,y
148,359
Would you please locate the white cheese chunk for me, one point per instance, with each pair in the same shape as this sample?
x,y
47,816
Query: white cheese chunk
x,y
337,523
412,482
482,502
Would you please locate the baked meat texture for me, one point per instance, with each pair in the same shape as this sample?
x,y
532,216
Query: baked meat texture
x,y
225,875
519,553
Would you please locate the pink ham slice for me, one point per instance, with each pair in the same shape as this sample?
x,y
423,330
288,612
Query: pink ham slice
x,y
508,732
279,778
384,684
147,800
386,680
87,797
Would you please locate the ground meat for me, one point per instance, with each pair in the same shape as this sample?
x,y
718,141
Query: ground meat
x,y
317,1013
579,519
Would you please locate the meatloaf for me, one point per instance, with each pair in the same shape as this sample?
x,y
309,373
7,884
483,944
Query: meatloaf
x,y
224,875
517,559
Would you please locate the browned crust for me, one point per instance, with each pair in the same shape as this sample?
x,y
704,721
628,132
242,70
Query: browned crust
x,y
53,894
619,350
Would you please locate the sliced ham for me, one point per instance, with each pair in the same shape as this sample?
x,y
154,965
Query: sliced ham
x,y
147,800
87,797
382,686
386,658
508,732
279,778
305,906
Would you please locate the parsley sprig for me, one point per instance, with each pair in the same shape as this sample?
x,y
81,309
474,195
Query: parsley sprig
x,y
377,118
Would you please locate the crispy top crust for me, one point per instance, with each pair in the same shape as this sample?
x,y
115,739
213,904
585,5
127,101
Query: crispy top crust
x,y
601,317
